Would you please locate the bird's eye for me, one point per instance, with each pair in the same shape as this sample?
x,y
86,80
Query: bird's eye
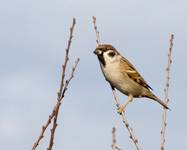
x,y
111,54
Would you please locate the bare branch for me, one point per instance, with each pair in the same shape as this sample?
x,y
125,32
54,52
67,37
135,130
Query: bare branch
x,y
61,96
63,87
114,145
113,138
96,31
44,127
66,55
125,121
166,92
61,92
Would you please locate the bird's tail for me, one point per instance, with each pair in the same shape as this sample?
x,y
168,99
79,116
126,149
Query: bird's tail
x,y
152,96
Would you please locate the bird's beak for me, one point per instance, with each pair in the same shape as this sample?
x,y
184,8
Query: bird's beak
x,y
95,52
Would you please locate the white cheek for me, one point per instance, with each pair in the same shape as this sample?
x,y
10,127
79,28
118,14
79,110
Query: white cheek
x,y
110,59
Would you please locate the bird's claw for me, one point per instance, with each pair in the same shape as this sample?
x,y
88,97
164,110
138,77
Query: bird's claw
x,y
120,109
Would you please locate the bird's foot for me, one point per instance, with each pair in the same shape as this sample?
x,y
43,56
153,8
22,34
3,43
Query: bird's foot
x,y
121,109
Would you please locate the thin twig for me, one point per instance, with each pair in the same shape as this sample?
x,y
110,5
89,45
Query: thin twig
x,y
60,92
166,92
63,87
96,31
66,56
113,138
125,121
44,127
61,96
114,145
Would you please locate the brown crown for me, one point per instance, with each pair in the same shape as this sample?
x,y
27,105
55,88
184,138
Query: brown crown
x,y
105,47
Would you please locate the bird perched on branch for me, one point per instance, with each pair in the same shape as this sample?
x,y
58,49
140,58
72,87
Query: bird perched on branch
x,y
123,76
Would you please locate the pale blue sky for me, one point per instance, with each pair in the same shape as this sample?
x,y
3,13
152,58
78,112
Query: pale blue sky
x,y
33,36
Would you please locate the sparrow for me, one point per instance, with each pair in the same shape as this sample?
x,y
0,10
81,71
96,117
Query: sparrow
x,y
123,76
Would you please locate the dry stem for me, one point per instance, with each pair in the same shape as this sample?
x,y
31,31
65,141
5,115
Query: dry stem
x,y
63,87
62,90
96,31
44,127
59,100
66,56
166,91
125,121
114,146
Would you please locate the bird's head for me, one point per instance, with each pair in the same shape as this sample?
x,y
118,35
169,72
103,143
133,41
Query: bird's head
x,y
106,53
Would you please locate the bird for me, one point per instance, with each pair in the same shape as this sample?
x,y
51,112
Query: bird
x,y
123,76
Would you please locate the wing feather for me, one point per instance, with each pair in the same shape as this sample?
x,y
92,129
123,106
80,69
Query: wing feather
x,y
133,73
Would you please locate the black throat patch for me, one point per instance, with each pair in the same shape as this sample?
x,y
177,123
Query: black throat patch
x,y
101,59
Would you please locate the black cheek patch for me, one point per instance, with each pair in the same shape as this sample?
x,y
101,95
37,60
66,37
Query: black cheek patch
x,y
101,59
111,54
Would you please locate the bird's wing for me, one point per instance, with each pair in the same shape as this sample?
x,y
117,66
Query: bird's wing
x,y
130,70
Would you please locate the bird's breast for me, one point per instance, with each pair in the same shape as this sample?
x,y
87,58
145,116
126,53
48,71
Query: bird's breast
x,y
111,72
120,80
